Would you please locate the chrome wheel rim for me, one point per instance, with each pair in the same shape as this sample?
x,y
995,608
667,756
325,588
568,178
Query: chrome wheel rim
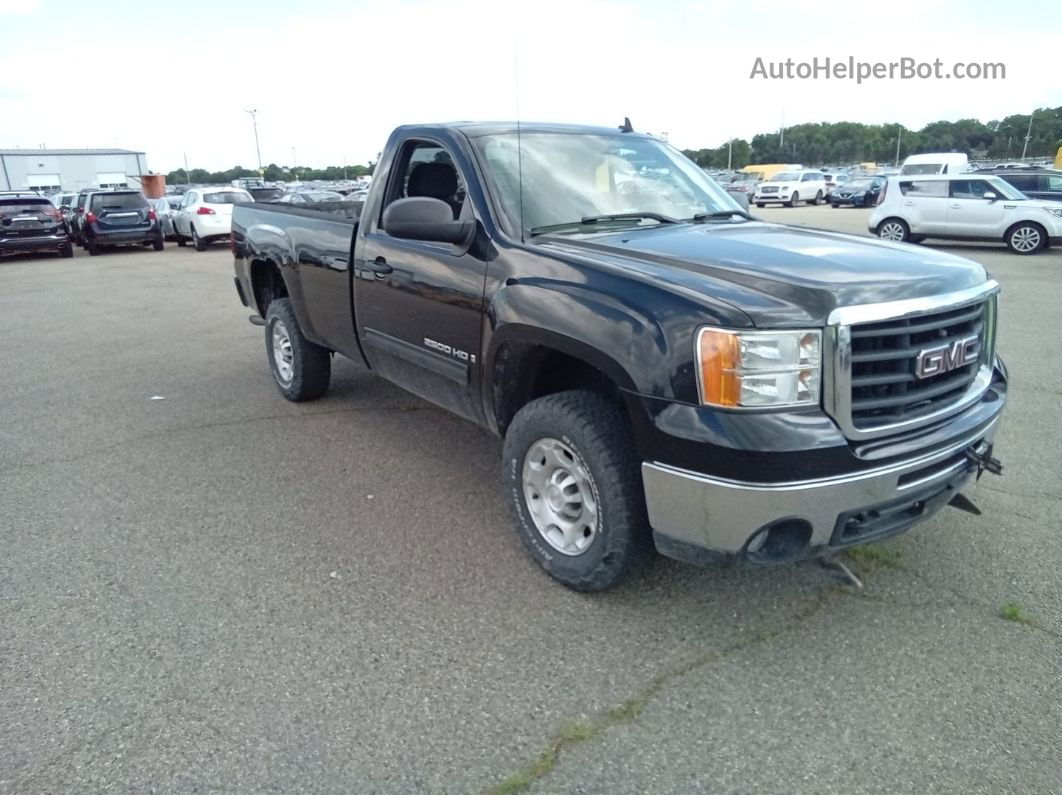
x,y
283,357
1025,239
560,496
892,232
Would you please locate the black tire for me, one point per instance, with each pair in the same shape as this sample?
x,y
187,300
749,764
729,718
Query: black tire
x,y
67,251
760,205
895,230
1026,237
817,200
92,248
794,199
197,241
597,433
311,365
158,244
182,241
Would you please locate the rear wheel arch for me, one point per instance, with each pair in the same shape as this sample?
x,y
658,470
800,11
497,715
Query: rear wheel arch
x,y
267,284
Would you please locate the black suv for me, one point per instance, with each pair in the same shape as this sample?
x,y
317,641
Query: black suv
x,y
29,222
1042,184
118,218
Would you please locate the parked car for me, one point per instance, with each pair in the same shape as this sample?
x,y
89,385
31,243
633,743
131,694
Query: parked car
x,y
311,197
77,215
266,194
834,179
968,207
30,223
64,203
1042,184
205,215
664,370
119,218
791,187
859,192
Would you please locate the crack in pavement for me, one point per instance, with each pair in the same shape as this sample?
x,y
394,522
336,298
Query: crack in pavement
x,y
628,711
204,426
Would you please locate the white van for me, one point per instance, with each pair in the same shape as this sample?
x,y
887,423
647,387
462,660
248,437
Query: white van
x,y
935,163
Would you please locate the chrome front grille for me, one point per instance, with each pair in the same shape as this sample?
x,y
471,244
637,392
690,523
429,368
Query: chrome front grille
x,y
875,389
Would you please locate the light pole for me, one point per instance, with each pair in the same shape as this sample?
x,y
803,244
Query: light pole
x,y
254,122
899,129
294,165
1028,135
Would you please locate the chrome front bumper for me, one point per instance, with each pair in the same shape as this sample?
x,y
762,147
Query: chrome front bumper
x,y
695,511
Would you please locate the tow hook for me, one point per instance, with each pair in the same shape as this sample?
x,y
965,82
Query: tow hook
x,y
982,456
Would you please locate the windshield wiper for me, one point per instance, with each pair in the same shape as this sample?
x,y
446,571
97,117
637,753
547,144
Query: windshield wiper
x,y
700,218
591,220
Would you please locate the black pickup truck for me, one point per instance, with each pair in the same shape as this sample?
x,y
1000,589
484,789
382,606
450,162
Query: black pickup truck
x,y
666,370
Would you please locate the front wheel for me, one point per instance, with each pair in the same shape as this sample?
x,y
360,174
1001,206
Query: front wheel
x,y
1025,238
894,229
794,199
301,369
761,205
573,483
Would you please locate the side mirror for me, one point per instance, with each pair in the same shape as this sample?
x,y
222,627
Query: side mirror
x,y
990,195
423,218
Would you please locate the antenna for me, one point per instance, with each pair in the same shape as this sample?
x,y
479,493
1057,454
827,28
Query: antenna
x,y
519,139
626,126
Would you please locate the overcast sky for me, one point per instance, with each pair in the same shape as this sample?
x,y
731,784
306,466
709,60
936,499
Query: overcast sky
x,y
332,78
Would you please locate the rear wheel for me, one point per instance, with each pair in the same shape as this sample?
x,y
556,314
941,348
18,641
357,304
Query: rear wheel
x,y
67,251
894,229
158,244
794,199
1025,238
301,369
817,200
197,241
573,483
91,248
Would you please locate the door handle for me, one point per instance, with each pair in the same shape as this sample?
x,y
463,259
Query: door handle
x,y
379,266
908,204
956,206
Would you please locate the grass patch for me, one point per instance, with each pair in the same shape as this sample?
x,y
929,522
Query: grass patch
x,y
1012,611
873,556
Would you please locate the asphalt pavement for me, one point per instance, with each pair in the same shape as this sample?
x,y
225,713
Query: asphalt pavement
x,y
205,587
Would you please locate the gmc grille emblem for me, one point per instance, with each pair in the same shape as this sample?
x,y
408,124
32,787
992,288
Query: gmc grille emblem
x,y
945,358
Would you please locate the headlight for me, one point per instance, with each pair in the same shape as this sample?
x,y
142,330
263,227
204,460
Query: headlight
x,y
759,369
1056,213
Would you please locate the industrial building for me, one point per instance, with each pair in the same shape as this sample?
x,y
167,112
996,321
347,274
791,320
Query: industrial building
x,y
52,170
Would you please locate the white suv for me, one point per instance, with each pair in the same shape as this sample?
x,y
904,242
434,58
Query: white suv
x,y
965,207
790,187
205,215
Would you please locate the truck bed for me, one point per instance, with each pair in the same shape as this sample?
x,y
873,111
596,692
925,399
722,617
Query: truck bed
x,y
336,211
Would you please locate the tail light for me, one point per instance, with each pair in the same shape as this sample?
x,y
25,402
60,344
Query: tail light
x,y
54,213
152,216
881,196
204,211
90,218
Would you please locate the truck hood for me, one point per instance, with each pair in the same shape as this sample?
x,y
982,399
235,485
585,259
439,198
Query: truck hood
x,y
779,275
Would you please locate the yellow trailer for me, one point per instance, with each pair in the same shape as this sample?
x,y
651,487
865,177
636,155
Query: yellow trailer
x,y
1058,158
764,171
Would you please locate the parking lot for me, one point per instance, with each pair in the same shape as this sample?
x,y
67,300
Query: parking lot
x,y
205,587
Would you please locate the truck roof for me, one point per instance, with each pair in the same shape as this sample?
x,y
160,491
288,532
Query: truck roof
x,y
476,129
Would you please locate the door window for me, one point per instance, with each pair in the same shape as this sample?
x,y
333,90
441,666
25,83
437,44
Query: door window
x,y
1054,184
924,189
427,169
971,188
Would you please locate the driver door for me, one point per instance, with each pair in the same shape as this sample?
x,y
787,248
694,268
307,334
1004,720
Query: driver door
x,y
419,305
970,214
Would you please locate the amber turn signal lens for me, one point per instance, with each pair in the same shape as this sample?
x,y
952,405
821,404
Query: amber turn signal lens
x,y
719,353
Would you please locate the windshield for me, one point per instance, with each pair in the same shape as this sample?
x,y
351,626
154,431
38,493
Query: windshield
x,y
859,183
786,176
227,197
266,194
118,201
569,177
13,207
